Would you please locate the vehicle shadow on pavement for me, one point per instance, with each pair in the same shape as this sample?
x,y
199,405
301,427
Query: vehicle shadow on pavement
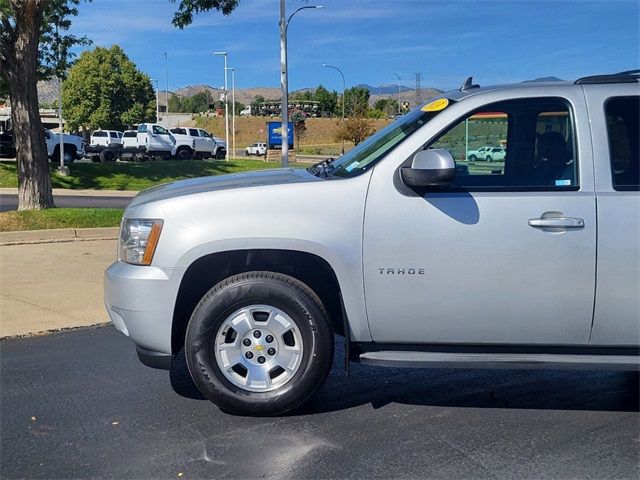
x,y
511,389
475,388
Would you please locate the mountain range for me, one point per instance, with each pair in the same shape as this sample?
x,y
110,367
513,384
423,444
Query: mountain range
x,y
47,93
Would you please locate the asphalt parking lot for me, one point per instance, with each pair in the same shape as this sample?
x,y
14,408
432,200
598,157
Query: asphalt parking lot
x,y
79,405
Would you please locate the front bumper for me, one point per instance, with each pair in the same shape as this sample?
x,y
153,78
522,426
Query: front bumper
x,y
140,301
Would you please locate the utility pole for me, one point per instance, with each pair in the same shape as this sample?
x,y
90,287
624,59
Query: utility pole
x,y
398,77
418,95
61,169
166,77
284,87
233,109
226,104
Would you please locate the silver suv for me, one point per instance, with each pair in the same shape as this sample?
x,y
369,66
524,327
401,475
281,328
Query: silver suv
x,y
417,256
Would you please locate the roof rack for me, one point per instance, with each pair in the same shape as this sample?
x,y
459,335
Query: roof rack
x,y
630,76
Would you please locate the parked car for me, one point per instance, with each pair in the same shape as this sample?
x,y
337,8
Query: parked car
x,y
129,139
415,262
480,154
204,144
104,138
259,149
73,146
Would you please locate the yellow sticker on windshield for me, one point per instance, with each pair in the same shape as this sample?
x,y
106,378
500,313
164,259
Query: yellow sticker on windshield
x,y
436,105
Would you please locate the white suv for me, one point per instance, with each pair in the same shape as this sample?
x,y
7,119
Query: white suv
x,y
259,149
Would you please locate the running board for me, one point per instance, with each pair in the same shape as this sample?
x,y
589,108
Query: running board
x,y
413,359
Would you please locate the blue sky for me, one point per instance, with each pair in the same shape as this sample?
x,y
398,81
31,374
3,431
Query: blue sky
x,y
370,40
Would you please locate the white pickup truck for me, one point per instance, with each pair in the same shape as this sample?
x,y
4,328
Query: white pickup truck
x,y
204,144
74,146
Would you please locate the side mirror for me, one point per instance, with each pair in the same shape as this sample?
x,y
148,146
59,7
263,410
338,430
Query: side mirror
x,y
430,168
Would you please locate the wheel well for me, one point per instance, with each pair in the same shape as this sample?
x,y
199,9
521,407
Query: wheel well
x,y
209,270
184,147
68,147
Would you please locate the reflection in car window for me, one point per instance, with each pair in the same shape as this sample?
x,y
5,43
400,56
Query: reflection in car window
x,y
376,147
536,146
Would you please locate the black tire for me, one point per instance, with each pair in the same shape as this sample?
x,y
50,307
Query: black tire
x,y
107,156
184,154
69,154
220,154
472,158
289,295
488,159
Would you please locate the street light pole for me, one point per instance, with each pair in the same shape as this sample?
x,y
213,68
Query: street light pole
x,y
344,86
157,104
226,105
284,26
166,77
233,109
398,77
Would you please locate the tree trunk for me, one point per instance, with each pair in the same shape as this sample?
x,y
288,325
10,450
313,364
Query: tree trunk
x,y
34,180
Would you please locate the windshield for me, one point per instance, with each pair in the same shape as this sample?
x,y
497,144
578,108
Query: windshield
x,y
376,147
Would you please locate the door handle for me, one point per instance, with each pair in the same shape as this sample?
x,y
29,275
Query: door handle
x,y
556,223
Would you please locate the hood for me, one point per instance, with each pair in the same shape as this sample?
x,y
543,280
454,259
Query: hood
x,y
280,176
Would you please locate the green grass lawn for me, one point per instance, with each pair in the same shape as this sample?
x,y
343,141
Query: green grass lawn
x,y
135,176
60,218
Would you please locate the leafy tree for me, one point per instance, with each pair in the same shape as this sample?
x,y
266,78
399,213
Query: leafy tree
x,y
106,90
184,16
200,102
387,105
328,100
298,119
354,129
34,44
356,101
257,101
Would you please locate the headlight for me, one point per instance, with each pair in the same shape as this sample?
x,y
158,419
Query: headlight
x,y
138,240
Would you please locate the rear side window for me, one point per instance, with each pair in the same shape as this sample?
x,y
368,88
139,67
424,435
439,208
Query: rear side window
x,y
524,144
623,130
179,131
99,134
193,132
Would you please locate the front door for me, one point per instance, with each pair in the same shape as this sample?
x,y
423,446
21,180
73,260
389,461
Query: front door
x,y
507,253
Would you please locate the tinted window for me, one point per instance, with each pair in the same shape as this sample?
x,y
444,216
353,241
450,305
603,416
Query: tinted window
x,y
528,144
158,130
99,134
179,131
193,132
623,129
129,134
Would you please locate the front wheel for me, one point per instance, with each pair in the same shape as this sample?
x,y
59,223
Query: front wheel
x,y
259,343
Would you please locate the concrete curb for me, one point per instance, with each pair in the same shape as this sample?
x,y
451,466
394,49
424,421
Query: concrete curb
x,y
58,235
79,193
49,331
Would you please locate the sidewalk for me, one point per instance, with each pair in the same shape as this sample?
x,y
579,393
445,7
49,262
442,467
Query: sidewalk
x,y
52,286
79,193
